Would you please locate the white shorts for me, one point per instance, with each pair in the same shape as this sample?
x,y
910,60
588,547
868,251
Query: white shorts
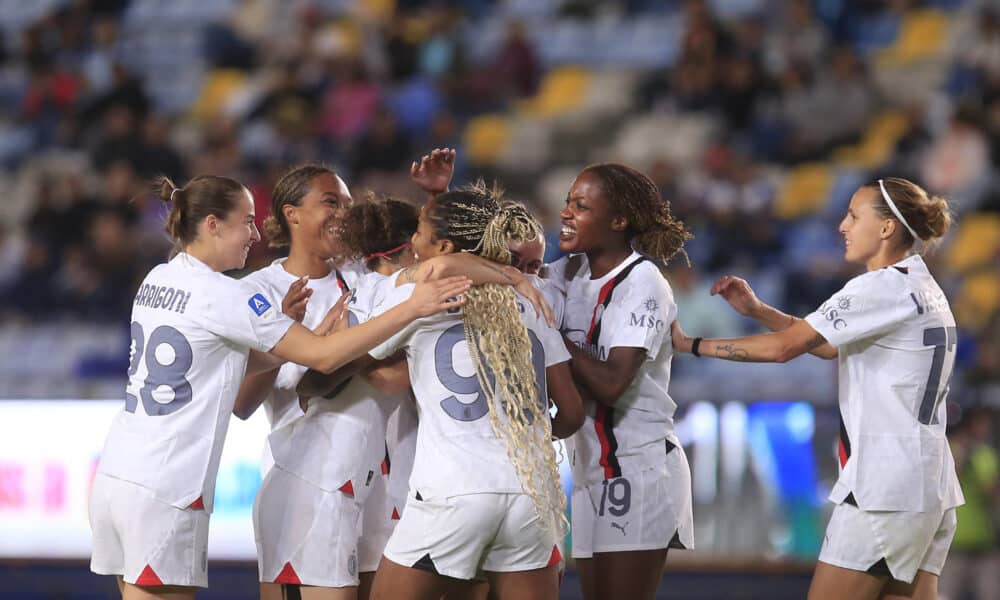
x,y
462,536
146,541
648,510
903,542
305,535
379,518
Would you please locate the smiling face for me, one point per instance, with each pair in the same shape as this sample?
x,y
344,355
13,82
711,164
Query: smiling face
x,y
315,223
588,218
236,233
526,257
863,228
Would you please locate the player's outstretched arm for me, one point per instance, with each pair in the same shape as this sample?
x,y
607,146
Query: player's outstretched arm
x,y
327,353
569,416
738,293
779,347
481,272
605,380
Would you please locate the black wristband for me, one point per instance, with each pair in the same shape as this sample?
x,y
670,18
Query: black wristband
x,y
694,346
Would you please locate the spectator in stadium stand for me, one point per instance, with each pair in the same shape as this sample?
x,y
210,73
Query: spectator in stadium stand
x,y
150,526
893,333
631,480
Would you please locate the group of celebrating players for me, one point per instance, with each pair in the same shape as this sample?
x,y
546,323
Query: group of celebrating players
x,y
416,365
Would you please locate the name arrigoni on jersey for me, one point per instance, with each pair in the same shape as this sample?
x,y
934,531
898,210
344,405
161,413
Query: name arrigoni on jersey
x,y
162,296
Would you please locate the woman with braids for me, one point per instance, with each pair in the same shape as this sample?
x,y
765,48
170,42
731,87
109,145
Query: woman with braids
x,y
195,332
632,485
893,334
484,493
309,204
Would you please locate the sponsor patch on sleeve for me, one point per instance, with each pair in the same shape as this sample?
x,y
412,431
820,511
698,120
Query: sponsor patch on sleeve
x,y
259,304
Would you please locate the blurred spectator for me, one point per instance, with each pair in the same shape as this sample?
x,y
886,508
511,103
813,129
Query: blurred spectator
x,y
959,158
974,557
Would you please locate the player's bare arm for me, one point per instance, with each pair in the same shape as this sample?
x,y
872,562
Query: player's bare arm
x,y
738,293
481,272
254,389
328,353
605,380
780,347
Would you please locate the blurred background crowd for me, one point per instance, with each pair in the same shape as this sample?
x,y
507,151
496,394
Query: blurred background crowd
x,y
756,118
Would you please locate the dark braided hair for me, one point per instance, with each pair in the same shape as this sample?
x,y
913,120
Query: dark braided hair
x,y
653,229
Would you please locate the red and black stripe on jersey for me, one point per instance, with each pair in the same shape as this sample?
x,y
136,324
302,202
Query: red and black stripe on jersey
x,y
342,283
604,418
844,445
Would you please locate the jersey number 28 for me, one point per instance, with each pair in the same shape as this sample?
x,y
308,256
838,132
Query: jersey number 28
x,y
172,374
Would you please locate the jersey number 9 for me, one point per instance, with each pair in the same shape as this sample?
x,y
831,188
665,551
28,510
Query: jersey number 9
x,y
461,384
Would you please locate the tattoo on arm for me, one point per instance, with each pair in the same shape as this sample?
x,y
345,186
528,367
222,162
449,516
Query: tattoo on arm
x,y
499,270
731,352
816,342
408,275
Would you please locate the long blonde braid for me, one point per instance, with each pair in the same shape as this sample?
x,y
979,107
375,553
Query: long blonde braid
x,y
500,346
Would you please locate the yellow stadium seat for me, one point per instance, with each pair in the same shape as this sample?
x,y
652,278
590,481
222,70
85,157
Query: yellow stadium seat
x,y
978,299
805,190
562,90
976,243
922,35
876,146
487,138
218,86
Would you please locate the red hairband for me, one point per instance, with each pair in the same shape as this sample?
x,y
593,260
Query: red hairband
x,y
389,253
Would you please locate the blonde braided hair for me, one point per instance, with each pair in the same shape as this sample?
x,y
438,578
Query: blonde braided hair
x,y
476,221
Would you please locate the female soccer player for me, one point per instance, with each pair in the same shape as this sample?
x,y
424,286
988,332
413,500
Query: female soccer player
x,y
192,331
632,485
307,516
307,213
893,334
484,492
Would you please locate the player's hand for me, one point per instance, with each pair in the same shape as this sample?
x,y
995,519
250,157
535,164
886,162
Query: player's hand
x,y
526,288
434,171
294,302
337,313
431,297
681,342
738,293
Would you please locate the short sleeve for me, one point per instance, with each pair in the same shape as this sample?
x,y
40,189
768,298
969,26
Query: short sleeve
x,y
554,295
640,313
869,305
239,312
553,344
394,296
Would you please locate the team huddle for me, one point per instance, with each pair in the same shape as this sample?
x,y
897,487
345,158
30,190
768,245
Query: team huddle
x,y
416,366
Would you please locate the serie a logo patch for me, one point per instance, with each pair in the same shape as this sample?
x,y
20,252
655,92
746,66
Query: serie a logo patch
x,y
259,304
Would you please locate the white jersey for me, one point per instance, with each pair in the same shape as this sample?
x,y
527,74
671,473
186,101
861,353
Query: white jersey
x,y
457,450
401,447
895,336
554,294
192,330
340,441
282,403
631,306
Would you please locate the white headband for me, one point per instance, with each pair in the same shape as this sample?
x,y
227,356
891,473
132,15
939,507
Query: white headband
x,y
175,190
895,211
